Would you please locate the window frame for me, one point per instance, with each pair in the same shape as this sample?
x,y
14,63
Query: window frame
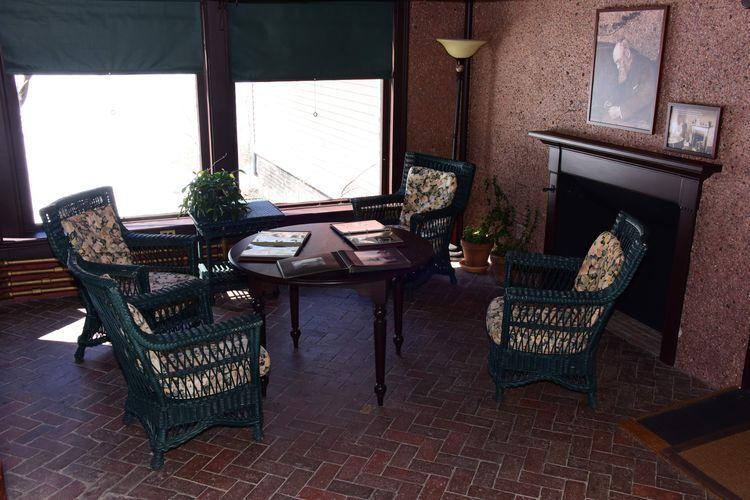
x,y
217,124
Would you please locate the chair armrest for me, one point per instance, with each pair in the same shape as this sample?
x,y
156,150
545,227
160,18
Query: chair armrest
x,y
174,307
385,208
165,252
540,271
132,279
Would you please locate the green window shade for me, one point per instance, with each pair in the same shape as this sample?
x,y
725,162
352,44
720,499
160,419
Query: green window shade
x,y
324,40
100,36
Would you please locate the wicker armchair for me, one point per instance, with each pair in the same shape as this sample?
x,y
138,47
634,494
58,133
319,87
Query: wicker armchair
x,y
183,373
543,329
156,260
435,226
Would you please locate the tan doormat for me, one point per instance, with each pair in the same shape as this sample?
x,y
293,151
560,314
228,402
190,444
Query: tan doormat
x,y
721,464
708,438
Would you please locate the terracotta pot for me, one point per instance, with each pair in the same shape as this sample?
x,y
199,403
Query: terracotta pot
x,y
497,267
475,256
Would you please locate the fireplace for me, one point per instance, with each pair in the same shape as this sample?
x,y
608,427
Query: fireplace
x,y
591,181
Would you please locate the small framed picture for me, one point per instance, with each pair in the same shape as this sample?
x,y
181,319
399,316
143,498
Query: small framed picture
x,y
692,129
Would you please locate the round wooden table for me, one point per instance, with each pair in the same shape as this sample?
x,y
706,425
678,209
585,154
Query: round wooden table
x,y
373,285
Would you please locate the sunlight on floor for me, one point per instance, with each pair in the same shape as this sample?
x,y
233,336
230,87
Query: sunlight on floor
x,y
68,333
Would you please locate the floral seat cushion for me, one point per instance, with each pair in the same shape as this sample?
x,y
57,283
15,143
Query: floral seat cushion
x,y
602,264
159,280
217,377
427,190
561,330
96,236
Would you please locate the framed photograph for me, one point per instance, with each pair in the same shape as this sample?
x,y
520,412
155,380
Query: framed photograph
x,y
692,129
628,49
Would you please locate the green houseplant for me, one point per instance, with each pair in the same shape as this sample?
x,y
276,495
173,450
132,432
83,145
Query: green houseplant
x,y
476,242
509,231
213,195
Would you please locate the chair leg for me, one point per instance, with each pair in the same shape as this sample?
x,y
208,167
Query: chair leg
x,y
498,393
258,432
157,460
127,418
591,396
264,385
452,276
90,327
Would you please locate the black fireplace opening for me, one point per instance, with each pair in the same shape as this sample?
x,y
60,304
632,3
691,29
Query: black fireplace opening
x,y
586,207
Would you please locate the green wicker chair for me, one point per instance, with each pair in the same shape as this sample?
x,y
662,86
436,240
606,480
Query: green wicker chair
x,y
154,261
183,373
435,226
543,328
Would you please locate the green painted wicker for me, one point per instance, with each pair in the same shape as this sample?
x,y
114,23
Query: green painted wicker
x,y
535,283
150,252
193,346
435,226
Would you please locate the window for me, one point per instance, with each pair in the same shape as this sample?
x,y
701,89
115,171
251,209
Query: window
x,y
137,133
310,140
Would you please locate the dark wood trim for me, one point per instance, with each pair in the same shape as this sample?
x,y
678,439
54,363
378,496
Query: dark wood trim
x,y
673,164
15,196
671,178
399,92
385,138
665,8
220,98
746,370
205,144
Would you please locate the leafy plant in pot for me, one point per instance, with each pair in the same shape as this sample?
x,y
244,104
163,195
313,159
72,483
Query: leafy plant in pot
x,y
213,196
476,243
509,232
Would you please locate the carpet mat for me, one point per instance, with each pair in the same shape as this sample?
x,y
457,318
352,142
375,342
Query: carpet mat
x,y
708,438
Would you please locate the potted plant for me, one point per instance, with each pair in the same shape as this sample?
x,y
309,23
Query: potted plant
x,y
509,233
213,196
476,243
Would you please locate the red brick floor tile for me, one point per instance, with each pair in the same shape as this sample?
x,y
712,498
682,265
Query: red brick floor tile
x,y
440,433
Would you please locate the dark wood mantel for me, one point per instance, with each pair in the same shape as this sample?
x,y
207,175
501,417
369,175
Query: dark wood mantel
x,y
671,178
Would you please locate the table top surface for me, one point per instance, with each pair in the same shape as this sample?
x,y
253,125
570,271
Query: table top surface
x,y
322,240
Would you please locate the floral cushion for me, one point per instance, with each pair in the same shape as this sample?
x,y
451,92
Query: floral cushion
x,y
427,190
158,280
221,377
549,340
601,265
96,236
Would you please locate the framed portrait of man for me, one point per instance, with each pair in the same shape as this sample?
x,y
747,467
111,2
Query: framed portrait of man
x,y
628,51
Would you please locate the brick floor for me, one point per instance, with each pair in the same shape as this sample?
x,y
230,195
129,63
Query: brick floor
x,y
440,434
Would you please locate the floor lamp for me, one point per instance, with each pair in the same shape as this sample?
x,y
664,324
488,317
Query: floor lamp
x,y
461,50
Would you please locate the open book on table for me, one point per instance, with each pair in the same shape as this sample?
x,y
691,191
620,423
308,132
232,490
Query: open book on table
x,y
268,246
353,261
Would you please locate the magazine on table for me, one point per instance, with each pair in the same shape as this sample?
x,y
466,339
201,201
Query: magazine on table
x,y
357,227
353,261
367,234
268,246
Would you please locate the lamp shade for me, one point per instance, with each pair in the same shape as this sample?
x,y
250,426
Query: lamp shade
x,y
462,48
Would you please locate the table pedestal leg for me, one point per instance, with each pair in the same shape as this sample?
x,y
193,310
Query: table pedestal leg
x,y
294,313
398,313
379,336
